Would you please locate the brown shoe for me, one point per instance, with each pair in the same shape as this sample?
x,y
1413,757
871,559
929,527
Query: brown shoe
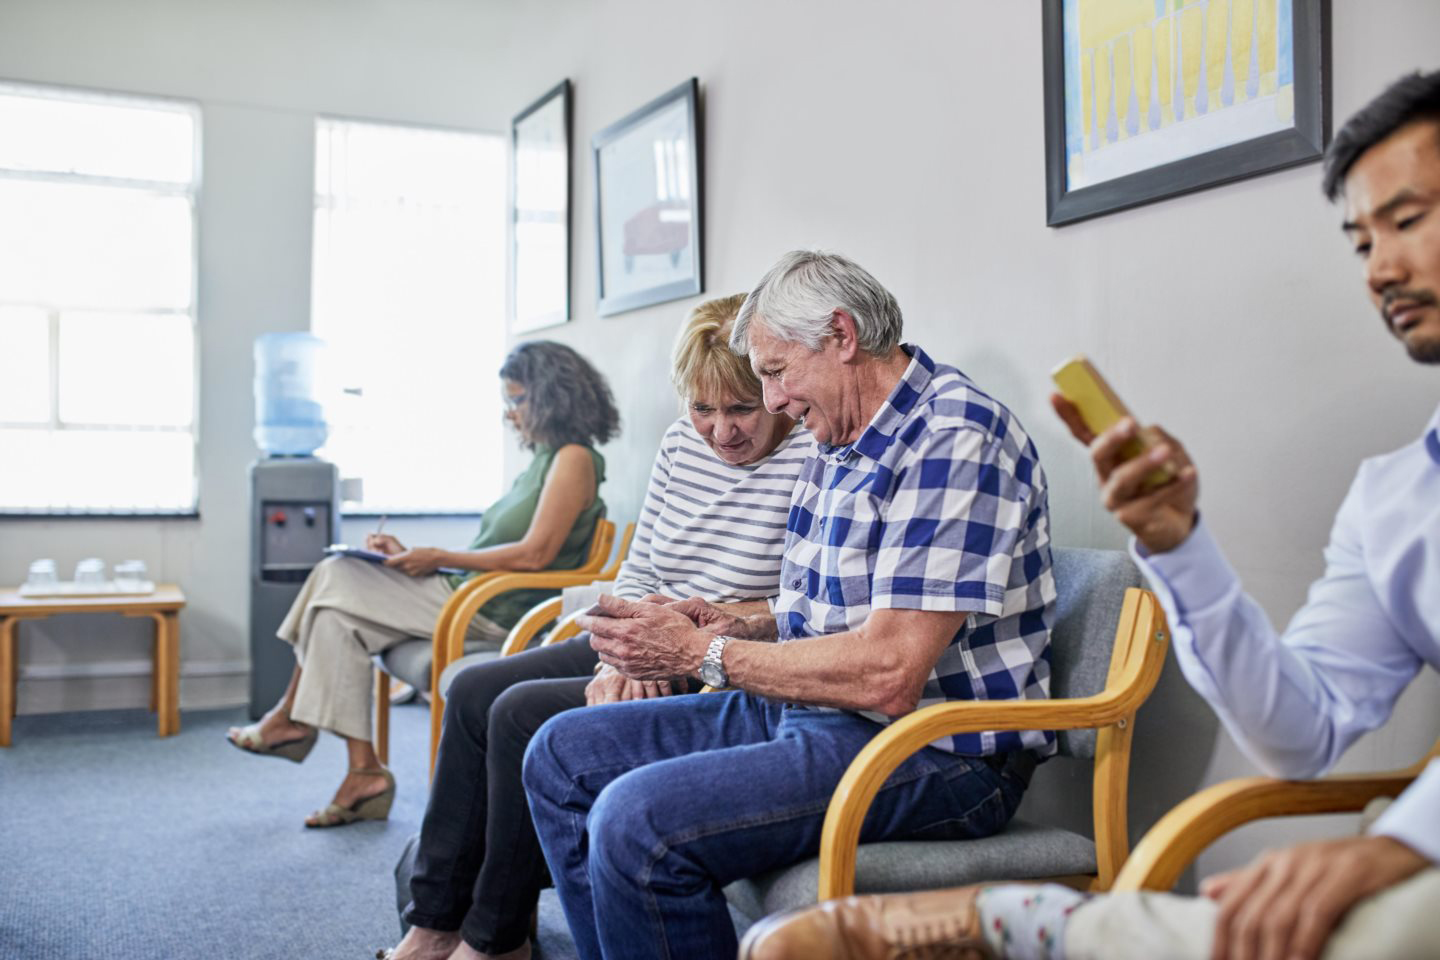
x,y
934,925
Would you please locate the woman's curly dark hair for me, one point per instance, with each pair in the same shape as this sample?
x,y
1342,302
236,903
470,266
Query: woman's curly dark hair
x,y
566,399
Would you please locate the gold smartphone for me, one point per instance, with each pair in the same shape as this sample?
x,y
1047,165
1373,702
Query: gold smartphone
x,y
1101,408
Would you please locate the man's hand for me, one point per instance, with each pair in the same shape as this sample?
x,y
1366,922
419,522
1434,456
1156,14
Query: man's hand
x,y
710,618
644,641
1161,518
418,561
612,686
383,543
1285,905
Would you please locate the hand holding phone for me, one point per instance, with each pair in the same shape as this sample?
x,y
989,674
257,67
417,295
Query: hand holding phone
x,y
1100,407
1155,497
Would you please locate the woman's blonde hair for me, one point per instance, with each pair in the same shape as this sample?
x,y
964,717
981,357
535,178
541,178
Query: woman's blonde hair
x,y
704,364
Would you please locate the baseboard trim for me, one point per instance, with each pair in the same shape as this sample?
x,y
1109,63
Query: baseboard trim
x,y
128,668
125,684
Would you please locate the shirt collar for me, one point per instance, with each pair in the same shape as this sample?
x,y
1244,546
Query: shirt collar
x,y
877,435
1432,438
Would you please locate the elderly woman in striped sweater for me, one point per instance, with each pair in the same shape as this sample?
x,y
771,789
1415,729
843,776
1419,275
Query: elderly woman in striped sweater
x,y
713,526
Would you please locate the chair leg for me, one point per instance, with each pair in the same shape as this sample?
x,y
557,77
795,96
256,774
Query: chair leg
x,y
382,716
7,677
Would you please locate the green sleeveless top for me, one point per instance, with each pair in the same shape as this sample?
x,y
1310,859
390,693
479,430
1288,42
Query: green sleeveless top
x,y
507,521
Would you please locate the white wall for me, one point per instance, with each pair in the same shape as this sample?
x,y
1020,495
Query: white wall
x,y
908,135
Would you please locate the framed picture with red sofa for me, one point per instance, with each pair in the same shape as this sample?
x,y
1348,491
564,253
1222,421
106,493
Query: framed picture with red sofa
x,y
648,208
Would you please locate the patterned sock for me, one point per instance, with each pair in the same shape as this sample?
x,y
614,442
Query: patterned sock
x,y
1023,921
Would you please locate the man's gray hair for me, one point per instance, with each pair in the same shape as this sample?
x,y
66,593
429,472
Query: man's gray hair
x,y
798,297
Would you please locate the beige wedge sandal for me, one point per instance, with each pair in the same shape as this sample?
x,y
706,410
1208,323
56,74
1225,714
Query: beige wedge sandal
x,y
249,740
370,808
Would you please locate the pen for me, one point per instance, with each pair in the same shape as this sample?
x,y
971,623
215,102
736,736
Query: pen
x,y
379,527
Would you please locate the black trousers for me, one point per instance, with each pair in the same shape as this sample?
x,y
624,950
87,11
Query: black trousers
x,y
478,868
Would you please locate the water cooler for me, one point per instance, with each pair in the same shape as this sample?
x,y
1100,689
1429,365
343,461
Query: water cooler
x,y
294,502
294,516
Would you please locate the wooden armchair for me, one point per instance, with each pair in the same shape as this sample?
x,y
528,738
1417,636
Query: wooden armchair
x,y
448,640
543,614
1107,652
1183,833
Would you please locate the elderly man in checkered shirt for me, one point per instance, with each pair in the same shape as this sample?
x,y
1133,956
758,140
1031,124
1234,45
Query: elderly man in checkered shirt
x,y
916,570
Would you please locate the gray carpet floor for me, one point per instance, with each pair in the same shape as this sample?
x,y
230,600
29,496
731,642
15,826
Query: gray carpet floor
x,y
115,843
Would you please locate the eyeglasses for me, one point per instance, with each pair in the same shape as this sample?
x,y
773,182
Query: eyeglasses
x,y
512,401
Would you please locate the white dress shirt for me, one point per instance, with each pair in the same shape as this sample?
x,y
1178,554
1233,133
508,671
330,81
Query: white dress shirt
x,y
1295,702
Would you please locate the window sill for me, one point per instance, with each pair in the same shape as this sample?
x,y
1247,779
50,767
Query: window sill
x,y
97,515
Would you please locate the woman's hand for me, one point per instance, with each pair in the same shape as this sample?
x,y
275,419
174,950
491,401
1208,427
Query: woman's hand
x,y
612,686
419,561
383,543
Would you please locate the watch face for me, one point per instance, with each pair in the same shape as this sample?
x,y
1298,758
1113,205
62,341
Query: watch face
x,y
712,674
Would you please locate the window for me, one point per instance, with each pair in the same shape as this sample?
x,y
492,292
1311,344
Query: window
x,y
409,294
97,302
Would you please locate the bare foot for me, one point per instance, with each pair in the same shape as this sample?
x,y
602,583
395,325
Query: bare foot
x,y
275,727
466,952
422,944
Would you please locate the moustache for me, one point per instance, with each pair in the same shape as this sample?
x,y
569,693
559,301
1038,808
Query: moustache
x,y
1422,298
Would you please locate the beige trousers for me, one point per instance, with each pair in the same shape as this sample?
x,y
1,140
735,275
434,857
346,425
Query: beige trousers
x,y
347,611
1402,923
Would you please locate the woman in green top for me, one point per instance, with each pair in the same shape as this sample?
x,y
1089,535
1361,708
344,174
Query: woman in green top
x,y
351,609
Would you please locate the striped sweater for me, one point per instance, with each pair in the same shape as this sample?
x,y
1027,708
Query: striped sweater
x,y
709,529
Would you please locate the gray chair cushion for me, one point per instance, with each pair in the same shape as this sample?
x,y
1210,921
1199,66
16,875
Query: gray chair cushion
x,y
410,661
1023,851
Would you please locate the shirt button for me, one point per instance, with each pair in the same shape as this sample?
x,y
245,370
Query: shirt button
x,y
795,584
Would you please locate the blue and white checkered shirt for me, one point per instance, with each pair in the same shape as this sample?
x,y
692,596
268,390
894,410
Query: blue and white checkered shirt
x,y
939,505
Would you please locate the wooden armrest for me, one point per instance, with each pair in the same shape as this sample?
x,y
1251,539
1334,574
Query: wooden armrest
x,y
1126,690
448,643
527,626
1182,834
564,629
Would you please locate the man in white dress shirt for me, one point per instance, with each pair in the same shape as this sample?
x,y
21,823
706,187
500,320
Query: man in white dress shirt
x,y
1294,702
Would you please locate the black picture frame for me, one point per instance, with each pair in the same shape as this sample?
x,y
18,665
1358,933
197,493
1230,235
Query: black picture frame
x,y
1304,142
638,222
532,301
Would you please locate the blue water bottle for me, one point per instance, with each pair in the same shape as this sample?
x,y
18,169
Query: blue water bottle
x,y
289,419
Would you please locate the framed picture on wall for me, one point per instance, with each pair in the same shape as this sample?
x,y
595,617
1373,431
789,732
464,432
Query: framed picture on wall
x,y
540,212
1149,100
648,203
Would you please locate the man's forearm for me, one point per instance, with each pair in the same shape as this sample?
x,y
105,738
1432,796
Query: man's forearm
x,y
755,624
880,667
823,671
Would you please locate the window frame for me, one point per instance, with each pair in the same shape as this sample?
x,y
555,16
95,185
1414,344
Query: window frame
x,y
360,510
54,311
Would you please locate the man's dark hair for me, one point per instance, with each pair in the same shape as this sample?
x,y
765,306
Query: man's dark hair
x,y
566,399
1416,97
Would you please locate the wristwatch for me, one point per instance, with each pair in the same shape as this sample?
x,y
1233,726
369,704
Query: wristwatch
x,y
712,668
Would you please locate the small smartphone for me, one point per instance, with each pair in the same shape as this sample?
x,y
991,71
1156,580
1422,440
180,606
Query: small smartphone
x,y
1101,408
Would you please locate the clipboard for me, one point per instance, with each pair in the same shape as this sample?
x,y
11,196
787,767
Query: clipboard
x,y
372,556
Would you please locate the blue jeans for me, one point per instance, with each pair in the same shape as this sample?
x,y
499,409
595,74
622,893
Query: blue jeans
x,y
646,809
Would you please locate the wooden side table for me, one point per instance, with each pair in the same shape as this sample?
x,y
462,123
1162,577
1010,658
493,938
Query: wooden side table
x,y
162,606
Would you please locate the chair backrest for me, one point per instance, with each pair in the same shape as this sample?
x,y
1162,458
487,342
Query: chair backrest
x,y
600,545
1090,589
1174,732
